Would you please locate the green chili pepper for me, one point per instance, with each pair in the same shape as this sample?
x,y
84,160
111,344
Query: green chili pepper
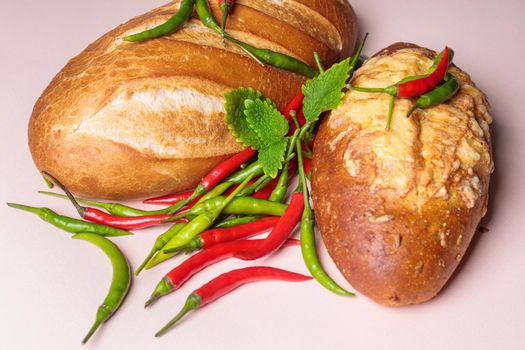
x,y
120,282
216,191
260,183
440,94
206,16
254,169
263,184
237,206
170,26
203,221
279,193
160,242
69,224
308,246
237,221
273,58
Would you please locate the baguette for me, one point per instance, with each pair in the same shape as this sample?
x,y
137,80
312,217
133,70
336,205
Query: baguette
x,y
397,209
128,120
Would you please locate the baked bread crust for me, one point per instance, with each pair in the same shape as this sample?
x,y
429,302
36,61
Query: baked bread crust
x,y
128,120
397,209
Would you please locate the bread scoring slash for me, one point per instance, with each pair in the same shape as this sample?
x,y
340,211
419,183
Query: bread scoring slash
x,y
397,209
128,120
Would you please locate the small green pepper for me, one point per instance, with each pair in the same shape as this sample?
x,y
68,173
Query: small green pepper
x,y
120,282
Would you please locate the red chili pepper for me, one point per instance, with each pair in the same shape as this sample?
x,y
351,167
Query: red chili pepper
x,y
215,176
121,222
216,236
124,222
221,235
307,166
280,232
294,106
229,281
423,85
227,167
170,198
174,279
177,197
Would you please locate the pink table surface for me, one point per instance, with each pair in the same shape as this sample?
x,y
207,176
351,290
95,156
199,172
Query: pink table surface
x,y
50,286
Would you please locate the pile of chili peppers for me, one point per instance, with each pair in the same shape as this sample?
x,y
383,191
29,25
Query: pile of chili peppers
x,y
234,202
231,204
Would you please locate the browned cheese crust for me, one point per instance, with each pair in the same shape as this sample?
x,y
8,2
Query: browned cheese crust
x,y
397,209
127,120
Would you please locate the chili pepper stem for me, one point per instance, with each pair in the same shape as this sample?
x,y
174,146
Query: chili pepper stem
x,y
92,330
145,262
193,302
391,101
411,110
224,19
163,287
357,55
318,62
24,208
81,210
49,184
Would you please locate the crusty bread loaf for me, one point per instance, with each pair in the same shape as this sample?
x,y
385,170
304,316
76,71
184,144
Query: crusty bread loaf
x,y
397,209
128,120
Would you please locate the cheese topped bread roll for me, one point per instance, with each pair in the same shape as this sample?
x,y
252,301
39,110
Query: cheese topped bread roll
x,y
397,209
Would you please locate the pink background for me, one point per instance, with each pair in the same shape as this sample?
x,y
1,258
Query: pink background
x,y
51,286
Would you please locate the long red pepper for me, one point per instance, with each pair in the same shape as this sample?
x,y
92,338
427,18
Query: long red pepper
x,y
307,166
227,167
174,279
228,282
294,107
170,198
124,222
423,85
219,173
177,197
216,236
280,232
100,217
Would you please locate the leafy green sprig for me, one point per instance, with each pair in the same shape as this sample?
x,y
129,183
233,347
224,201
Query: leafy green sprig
x,y
255,121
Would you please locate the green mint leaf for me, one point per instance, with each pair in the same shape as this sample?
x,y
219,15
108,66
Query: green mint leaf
x,y
325,92
271,157
255,121
235,117
271,128
266,121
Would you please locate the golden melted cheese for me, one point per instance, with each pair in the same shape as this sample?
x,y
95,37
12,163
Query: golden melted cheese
x,y
435,153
